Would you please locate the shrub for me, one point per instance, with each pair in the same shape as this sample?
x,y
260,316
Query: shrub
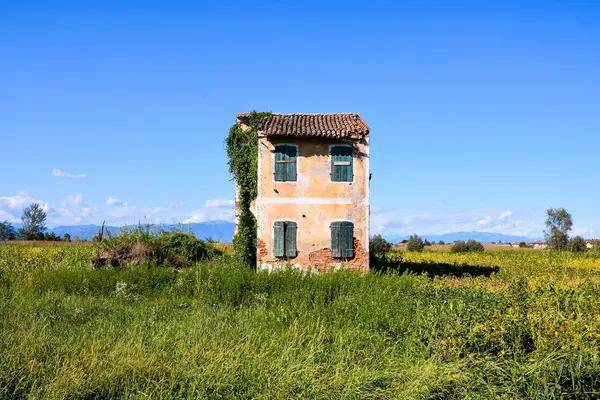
x,y
186,245
577,244
378,251
470,246
379,246
522,245
415,243
143,244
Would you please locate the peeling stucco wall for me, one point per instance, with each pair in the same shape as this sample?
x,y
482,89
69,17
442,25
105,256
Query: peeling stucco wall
x,y
313,202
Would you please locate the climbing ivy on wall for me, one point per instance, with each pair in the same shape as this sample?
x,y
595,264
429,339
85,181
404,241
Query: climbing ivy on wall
x,y
242,150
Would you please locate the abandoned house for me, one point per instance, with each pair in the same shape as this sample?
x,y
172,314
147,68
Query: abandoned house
x,y
312,207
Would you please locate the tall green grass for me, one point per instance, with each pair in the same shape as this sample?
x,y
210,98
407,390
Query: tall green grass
x,y
220,330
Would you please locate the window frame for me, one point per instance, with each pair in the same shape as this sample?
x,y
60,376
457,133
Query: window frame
x,y
275,162
341,255
331,146
286,223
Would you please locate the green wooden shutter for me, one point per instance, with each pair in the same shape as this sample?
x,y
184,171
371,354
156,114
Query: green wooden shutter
x,y
347,239
336,239
280,168
342,156
346,156
290,239
335,170
291,166
285,171
278,238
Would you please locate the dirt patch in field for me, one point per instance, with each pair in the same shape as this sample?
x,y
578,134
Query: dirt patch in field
x,y
135,254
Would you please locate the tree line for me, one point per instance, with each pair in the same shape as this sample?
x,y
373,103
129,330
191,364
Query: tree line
x,y
559,223
34,227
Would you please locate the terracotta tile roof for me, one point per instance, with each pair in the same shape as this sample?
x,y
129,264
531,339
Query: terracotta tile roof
x,y
348,125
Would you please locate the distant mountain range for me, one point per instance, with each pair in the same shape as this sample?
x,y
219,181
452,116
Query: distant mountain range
x,y
483,237
221,231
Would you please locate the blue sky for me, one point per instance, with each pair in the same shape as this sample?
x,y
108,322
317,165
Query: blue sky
x,y
481,115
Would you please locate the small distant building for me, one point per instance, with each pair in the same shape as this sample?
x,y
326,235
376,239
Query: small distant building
x,y
538,244
589,243
312,208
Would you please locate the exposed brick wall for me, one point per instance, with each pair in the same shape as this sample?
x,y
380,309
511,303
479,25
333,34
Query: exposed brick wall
x,y
323,262
261,251
320,260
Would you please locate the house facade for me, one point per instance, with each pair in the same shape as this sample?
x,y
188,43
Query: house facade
x,y
312,208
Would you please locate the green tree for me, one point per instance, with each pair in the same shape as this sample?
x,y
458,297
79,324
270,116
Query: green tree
x,y
51,237
7,231
415,243
379,246
67,237
470,246
577,244
34,223
379,249
558,225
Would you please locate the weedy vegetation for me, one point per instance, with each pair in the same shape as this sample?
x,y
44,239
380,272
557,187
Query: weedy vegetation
x,y
435,325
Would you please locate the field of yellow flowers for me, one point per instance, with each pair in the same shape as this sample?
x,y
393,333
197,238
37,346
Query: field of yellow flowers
x,y
508,325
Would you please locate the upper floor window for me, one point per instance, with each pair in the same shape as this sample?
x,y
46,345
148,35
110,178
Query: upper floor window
x,y
285,163
284,235
342,239
341,164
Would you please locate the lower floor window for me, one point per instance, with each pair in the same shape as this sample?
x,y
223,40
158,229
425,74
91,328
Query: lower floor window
x,y
284,233
342,239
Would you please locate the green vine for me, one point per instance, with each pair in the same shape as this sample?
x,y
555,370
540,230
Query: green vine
x,y
242,150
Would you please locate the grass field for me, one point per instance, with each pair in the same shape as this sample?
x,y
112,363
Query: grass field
x,y
493,325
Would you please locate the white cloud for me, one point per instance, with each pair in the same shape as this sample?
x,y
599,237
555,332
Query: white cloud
x,y
485,221
213,214
219,203
11,206
72,210
62,174
75,200
18,202
401,224
504,215
585,232
6,216
111,201
127,214
214,210
176,204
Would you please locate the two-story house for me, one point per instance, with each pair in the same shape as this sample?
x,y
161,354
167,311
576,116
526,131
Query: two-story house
x,y
312,208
